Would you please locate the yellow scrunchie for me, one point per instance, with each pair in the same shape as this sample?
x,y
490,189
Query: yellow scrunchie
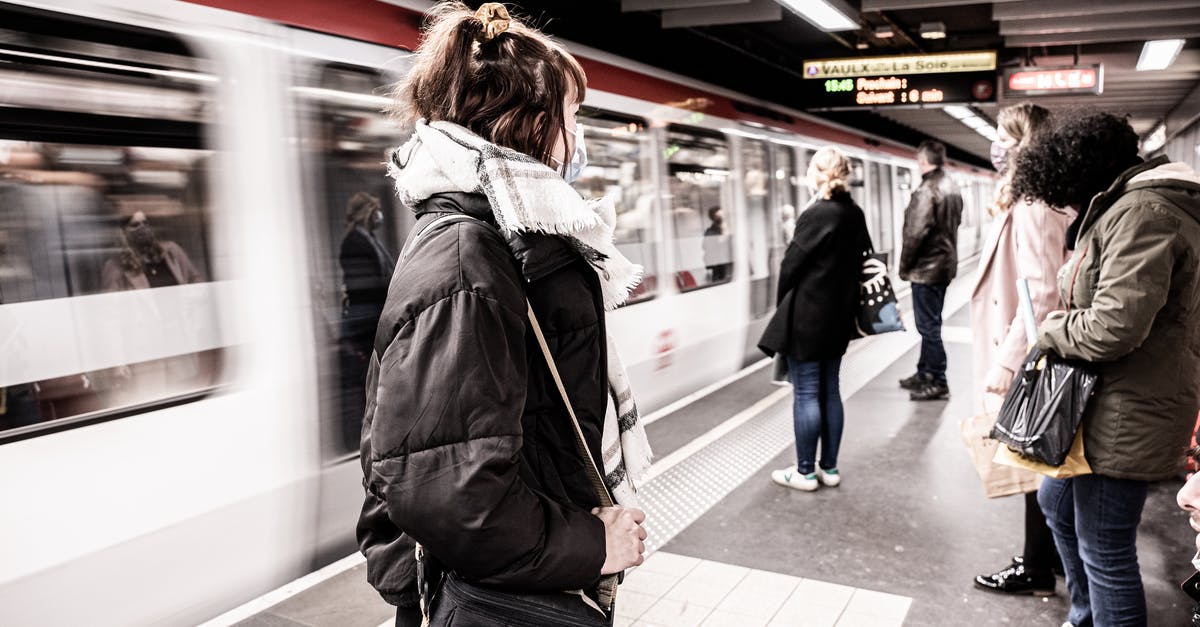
x,y
494,18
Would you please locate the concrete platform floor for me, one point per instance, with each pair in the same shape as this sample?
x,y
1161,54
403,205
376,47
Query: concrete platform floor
x,y
910,517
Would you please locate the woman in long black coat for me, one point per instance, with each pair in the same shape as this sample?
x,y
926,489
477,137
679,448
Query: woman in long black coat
x,y
817,301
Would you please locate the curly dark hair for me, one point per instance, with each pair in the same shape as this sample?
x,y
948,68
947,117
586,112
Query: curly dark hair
x,y
1078,158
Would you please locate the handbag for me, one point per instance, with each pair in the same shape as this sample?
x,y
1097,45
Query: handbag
x,y
878,309
998,479
1043,409
472,605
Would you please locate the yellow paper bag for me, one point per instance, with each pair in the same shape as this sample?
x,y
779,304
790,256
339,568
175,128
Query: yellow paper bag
x,y
1074,465
998,480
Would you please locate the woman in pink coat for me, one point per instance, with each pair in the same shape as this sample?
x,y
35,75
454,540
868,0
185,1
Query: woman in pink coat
x,y
1027,240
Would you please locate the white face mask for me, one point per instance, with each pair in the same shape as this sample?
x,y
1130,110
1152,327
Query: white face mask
x,y
1196,561
573,170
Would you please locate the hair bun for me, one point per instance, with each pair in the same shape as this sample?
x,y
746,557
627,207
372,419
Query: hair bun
x,y
494,19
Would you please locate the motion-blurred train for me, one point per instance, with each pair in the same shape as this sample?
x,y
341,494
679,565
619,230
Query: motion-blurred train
x,y
179,434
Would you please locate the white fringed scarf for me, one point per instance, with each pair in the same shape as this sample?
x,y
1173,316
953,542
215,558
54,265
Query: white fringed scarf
x,y
526,196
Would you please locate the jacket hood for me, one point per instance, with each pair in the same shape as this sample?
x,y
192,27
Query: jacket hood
x,y
1167,173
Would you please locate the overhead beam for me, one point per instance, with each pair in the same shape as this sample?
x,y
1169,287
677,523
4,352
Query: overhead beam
x,y
1183,31
752,11
1033,9
901,5
1185,114
658,5
1103,21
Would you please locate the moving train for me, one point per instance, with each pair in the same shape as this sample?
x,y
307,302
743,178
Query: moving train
x,y
179,434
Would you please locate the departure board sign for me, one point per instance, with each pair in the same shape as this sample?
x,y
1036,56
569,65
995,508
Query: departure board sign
x,y
1088,79
910,80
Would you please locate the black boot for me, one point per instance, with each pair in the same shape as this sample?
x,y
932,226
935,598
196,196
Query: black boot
x,y
931,391
1015,580
915,381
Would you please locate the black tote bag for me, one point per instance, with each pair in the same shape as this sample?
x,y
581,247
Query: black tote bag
x,y
1044,407
878,309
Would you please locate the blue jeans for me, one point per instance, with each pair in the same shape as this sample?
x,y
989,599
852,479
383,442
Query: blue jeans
x,y
816,412
927,307
1095,520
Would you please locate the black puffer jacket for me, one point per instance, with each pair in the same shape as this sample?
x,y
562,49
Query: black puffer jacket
x,y
930,251
466,444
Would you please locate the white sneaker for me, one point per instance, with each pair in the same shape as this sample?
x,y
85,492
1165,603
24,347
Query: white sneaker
x,y
829,478
790,478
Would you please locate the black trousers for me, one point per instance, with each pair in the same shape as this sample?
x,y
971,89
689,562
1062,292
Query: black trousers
x,y
928,300
1040,553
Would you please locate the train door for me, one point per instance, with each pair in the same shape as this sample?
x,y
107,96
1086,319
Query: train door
x,y
882,208
904,181
355,228
759,203
786,196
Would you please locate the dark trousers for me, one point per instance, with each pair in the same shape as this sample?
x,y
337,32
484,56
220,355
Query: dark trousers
x,y
928,300
1040,554
1095,521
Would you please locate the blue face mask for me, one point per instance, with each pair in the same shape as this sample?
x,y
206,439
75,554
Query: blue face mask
x,y
573,170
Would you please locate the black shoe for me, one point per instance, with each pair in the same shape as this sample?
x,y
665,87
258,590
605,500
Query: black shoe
x,y
915,382
1057,568
933,391
1014,580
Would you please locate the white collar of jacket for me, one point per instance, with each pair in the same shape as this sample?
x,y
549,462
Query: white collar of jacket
x,y
1167,172
525,196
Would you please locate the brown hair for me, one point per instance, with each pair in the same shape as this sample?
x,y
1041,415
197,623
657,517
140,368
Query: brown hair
x,y
492,74
359,209
1023,122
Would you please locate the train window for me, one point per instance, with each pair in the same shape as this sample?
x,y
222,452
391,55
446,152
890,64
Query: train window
x,y
698,167
620,167
106,302
356,227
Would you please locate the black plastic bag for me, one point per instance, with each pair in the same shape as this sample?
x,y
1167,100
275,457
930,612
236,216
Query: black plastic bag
x,y
1044,407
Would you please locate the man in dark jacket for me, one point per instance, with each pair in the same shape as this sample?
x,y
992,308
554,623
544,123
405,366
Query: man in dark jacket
x,y
929,260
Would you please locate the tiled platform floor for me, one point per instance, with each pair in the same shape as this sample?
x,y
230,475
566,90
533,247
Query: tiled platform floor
x,y
677,591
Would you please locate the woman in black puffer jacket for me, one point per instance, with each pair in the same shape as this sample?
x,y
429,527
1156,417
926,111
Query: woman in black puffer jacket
x,y
467,446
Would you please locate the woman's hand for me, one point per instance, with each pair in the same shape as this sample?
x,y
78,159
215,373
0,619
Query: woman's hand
x,y
623,538
998,380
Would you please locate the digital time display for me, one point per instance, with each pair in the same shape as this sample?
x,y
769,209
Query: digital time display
x,y
900,90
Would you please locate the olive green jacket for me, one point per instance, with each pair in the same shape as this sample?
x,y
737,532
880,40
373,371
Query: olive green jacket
x,y
1132,288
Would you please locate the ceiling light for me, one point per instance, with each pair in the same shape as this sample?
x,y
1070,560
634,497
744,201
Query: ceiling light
x,y
933,30
861,45
821,13
958,112
1159,54
884,32
974,122
988,133
1155,139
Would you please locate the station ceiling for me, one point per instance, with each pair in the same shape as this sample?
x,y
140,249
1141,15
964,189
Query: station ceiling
x,y
751,47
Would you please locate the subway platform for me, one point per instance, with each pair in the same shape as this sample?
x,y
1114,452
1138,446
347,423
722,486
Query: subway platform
x,y
898,543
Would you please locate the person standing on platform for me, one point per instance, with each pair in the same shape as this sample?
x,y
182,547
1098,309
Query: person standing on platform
x,y
929,260
468,446
1132,294
1027,241
817,302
